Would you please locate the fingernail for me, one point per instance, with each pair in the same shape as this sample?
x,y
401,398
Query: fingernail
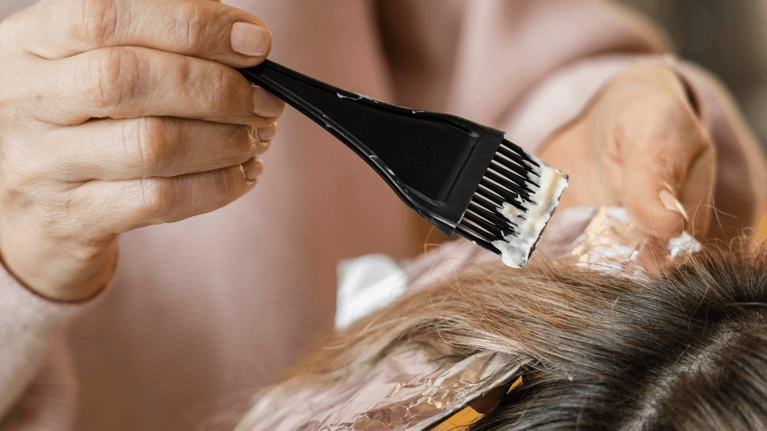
x,y
267,133
253,168
671,203
250,39
266,104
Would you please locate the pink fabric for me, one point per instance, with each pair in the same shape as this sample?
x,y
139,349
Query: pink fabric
x,y
203,312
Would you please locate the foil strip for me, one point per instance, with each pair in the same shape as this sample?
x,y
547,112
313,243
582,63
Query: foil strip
x,y
612,242
408,390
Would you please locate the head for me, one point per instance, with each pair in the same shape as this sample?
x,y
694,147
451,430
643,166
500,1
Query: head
x,y
684,351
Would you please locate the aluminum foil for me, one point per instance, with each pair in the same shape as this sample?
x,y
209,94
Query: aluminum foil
x,y
612,242
408,390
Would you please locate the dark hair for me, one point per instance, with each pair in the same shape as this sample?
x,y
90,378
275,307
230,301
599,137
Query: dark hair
x,y
684,351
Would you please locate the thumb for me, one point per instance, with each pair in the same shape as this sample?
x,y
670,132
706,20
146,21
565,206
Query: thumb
x,y
652,199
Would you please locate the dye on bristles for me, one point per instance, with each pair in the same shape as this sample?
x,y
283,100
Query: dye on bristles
x,y
513,204
461,176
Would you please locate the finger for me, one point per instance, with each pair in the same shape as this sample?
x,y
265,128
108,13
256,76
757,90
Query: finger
x,y
697,194
266,104
264,137
146,147
126,205
651,196
253,168
669,189
202,29
658,138
138,82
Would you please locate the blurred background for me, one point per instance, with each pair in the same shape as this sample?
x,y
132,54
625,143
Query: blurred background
x,y
728,37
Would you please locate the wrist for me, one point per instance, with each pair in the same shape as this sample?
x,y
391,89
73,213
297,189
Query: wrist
x,y
64,277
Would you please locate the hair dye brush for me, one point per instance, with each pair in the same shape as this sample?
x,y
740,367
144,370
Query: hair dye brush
x,y
462,177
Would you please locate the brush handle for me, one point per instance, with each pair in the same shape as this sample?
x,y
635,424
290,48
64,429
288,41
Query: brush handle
x,y
425,157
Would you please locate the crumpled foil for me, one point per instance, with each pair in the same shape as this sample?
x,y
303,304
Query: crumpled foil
x,y
612,242
408,390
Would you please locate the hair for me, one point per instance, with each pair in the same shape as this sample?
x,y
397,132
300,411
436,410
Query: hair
x,y
684,351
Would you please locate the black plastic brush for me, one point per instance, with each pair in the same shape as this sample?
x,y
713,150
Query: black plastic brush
x,y
462,177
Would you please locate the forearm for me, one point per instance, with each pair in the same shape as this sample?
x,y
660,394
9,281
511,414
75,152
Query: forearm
x,y
29,325
49,400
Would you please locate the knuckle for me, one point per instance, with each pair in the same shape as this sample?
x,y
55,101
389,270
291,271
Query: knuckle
x,y
245,142
263,147
64,221
156,199
94,22
155,147
50,219
184,71
222,92
88,252
192,23
260,146
229,184
67,215
253,138
664,104
110,76
18,177
222,187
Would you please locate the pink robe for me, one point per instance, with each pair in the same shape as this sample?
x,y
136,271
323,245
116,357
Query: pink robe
x,y
203,312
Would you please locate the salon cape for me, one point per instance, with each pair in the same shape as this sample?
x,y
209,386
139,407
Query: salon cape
x,y
203,312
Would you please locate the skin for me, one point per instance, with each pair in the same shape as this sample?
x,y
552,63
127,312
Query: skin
x,y
118,114
639,138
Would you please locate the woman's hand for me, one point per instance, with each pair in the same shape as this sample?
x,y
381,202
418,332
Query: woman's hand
x,y
640,145
117,114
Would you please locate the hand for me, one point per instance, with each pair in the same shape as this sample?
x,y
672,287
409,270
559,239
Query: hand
x,y
640,145
117,114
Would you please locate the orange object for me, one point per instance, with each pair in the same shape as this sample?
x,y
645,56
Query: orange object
x,y
761,231
459,421
467,416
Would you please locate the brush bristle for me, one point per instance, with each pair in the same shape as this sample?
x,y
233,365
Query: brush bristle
x,y
512,205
